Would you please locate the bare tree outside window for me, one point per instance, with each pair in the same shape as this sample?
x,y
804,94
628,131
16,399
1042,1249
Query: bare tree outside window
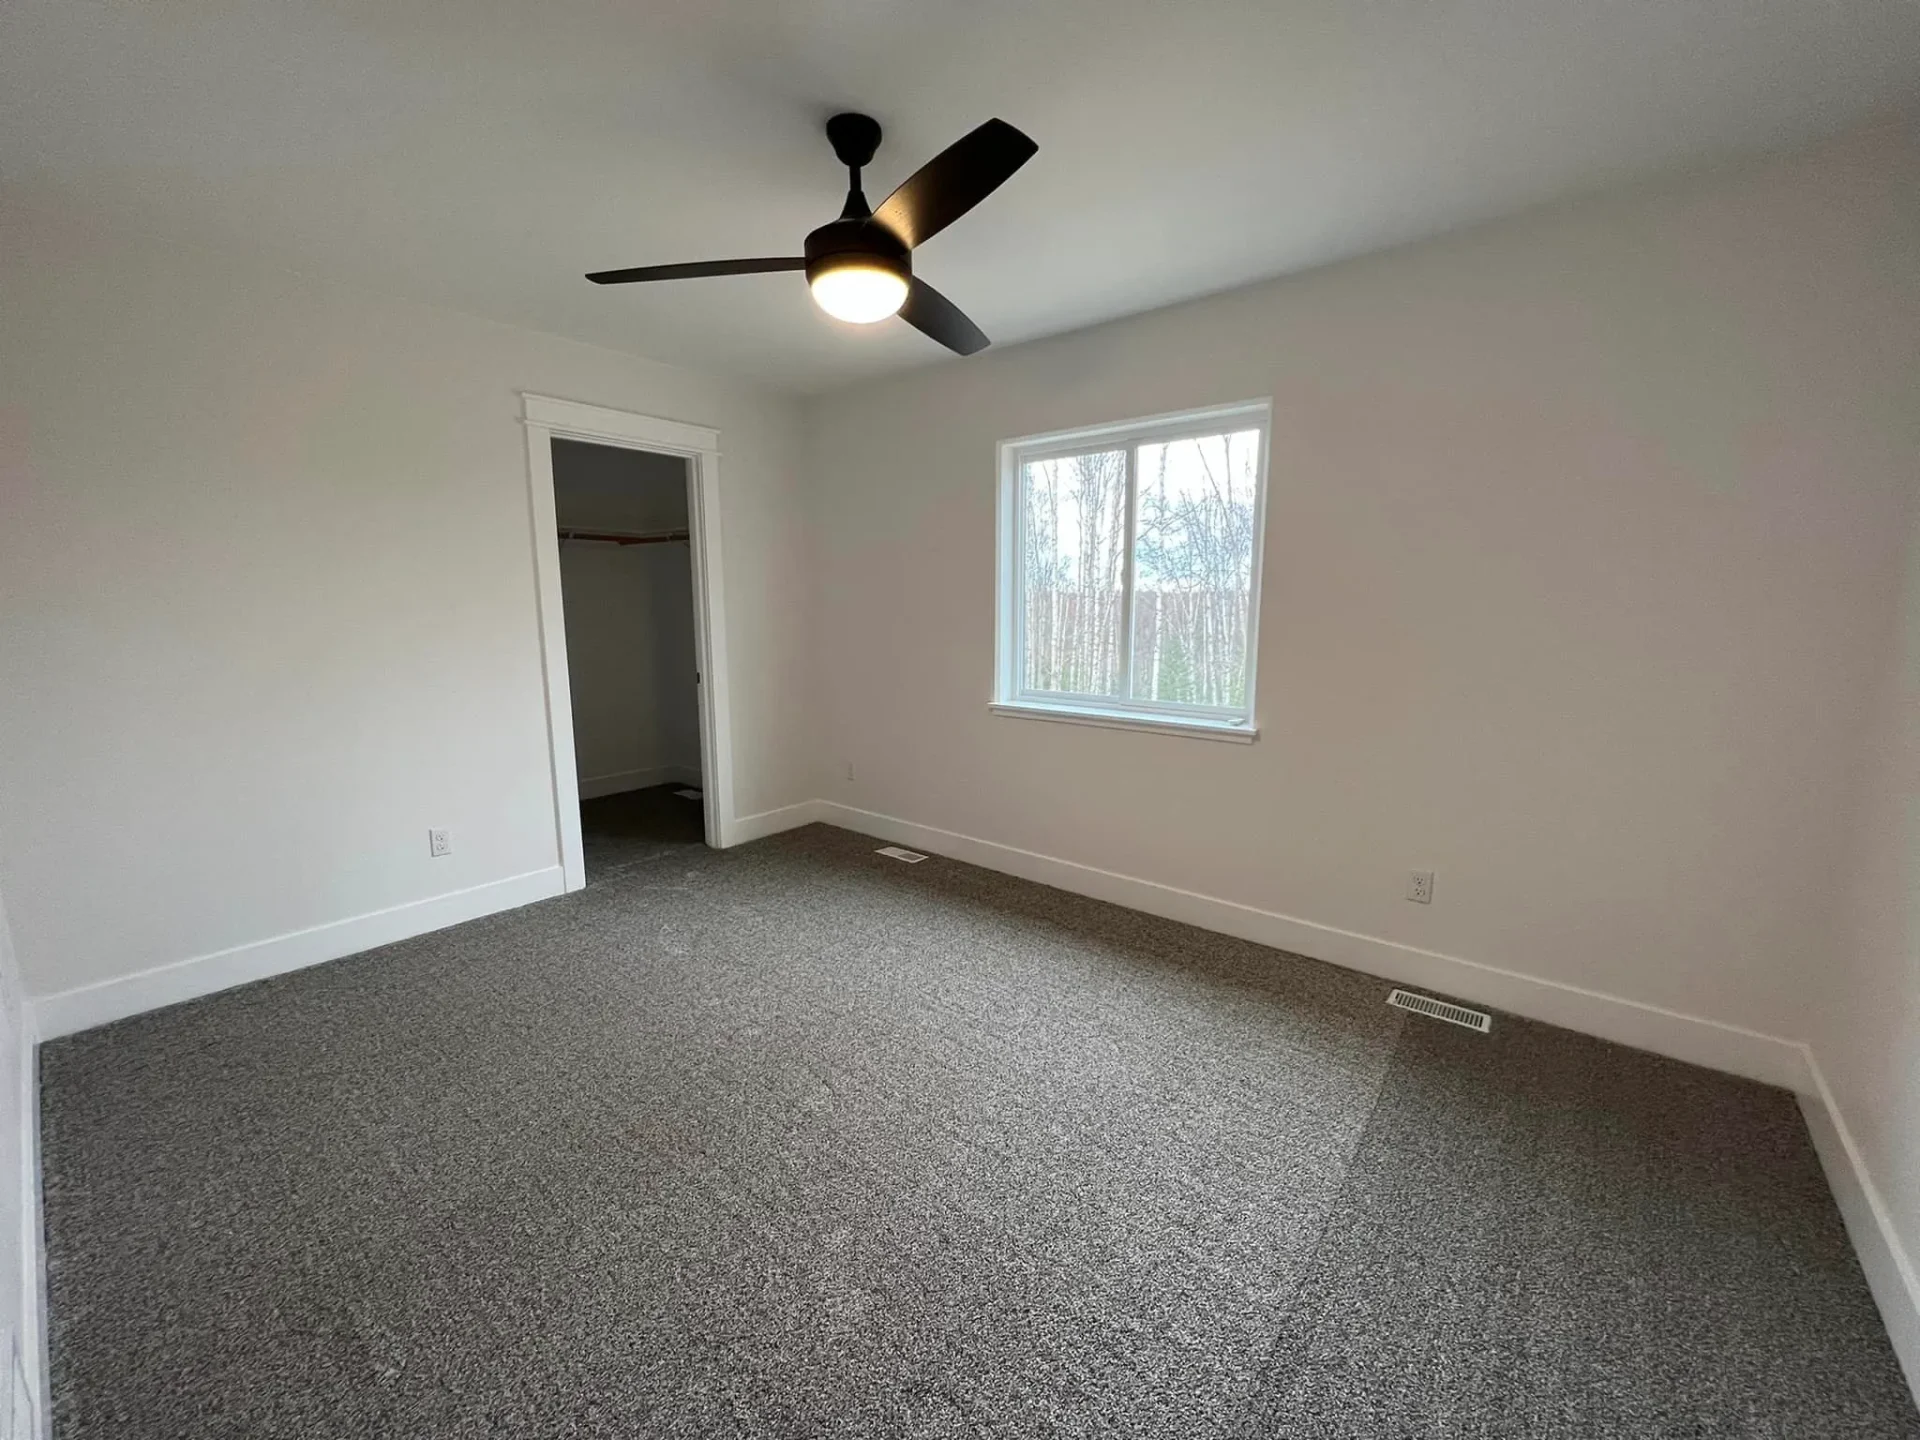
x,y
1075,554
1193,569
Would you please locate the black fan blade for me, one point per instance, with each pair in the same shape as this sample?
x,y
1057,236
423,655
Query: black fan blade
x,y
696,270
934,315
954,181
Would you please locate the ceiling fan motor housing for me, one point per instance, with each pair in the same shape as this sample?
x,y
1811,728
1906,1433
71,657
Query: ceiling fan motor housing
x,y
857,242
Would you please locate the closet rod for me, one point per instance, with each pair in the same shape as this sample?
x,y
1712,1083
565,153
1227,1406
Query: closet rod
x,y
616,537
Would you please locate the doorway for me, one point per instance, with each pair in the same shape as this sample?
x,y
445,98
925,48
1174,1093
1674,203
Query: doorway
x,y
629,595
626,593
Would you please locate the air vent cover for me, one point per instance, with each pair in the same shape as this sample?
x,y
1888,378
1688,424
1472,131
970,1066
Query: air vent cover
x,y
894,852
1441,1010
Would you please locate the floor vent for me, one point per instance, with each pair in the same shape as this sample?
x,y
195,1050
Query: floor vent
x,y
894,852
1441,1010
689,794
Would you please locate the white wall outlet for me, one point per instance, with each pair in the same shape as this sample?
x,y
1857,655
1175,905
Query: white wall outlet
x,y
439,843
1420,886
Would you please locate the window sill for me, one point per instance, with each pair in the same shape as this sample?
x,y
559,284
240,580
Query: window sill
x,y
1240,734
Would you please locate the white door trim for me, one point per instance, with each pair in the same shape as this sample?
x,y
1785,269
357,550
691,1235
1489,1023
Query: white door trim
x,y
546,417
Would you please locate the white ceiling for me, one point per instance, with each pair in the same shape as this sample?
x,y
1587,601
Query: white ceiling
x,y
484,154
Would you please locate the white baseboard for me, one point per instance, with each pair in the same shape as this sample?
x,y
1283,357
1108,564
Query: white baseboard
x,y
592,787
90,1005
1644,1027
1890,1271
743,828
35,1351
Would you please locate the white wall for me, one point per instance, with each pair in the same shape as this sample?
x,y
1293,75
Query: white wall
x,y
1582,539
629,619
1867,1028
267,597
630,665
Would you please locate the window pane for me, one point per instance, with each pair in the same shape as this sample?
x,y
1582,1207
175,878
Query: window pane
x,y
1073,552
1193,569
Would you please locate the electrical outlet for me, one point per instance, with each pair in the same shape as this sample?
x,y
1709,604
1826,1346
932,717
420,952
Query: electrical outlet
x,y
849,770
439,843
1420,886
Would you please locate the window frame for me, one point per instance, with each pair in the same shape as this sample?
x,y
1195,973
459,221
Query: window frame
x,y
1121,712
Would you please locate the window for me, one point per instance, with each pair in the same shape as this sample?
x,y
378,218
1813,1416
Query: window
x,y
1130,572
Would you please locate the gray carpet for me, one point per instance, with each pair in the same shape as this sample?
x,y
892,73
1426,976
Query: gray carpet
x,y
1544,1234
797,1141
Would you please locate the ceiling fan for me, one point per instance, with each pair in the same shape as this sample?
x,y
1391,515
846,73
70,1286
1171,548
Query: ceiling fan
x,y
860,267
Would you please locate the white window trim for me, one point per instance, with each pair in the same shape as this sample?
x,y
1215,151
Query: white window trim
x,y
1128,720
1104,710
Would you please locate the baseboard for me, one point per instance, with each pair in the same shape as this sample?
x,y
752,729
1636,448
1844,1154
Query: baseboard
x,y
615,782
1890,1271
36,1351
1699,1041
744,828
83,1008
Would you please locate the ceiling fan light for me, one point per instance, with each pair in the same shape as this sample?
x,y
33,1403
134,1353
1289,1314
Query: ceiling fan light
x,y
860,293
